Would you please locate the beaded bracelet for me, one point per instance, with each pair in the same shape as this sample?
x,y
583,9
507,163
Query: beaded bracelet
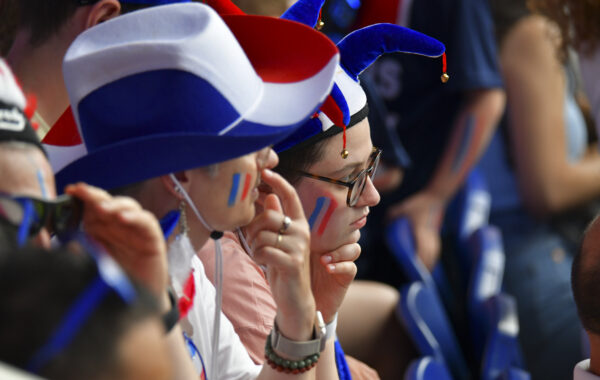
x,y
289,366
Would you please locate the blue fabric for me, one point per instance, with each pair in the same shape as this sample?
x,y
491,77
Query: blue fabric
x,y
537,273
305,12
169,222
359,49
340,361
136,145
340,100
148,101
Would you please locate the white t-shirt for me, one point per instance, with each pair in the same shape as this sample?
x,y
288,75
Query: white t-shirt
x,y
581,371
233,360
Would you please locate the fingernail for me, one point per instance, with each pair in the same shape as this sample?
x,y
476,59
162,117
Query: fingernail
x,y
331,267
326,259
267,172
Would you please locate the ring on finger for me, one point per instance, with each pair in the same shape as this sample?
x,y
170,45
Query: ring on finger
x,y
278,240
285,224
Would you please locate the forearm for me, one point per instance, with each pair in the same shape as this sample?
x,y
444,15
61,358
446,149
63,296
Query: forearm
x,y
183,368
472,131
565,186
327,367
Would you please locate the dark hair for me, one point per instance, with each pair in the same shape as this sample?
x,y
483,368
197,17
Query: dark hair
x,y
44,18
37,288
585,279
8,24
299,158
579,21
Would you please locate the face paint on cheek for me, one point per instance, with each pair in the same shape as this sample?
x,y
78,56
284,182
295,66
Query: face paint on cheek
x,y
238,192
42,182
319,219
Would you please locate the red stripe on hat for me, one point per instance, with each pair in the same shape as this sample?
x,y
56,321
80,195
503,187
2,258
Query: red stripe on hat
x,y
64,132
246,186
224,7
289,44
332,110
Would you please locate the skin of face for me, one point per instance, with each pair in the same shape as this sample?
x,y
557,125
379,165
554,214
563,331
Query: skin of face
x,y
212,192
26,171
143,352
344,224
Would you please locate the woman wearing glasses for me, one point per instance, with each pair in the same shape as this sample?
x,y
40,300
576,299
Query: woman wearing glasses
x,y
331,168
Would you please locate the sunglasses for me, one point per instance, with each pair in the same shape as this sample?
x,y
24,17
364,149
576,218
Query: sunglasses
x,y
110,278
357,185
61,216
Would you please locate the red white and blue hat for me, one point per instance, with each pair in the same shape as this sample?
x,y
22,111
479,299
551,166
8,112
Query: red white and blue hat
x,y
169,88
347,104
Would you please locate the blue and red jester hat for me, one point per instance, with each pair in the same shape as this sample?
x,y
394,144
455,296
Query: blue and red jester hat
x,y
347,104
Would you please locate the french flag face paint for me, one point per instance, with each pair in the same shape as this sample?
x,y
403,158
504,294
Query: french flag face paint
x,y
240,187
319,219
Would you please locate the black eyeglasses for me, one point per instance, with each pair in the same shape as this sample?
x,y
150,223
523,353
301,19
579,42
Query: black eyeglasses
x,y
60,216
357,185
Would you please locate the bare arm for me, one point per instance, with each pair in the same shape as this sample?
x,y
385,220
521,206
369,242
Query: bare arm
x,y
536,85
472,131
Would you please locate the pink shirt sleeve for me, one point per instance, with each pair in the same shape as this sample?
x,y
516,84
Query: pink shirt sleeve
x,y
247,298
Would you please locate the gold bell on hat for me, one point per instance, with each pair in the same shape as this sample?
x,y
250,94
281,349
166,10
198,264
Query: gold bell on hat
x,y
320,24
445,77
344,153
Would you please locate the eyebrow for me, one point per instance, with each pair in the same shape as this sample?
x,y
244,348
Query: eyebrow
x,y
347,167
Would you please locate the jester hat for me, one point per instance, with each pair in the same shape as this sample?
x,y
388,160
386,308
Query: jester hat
x,y
347,103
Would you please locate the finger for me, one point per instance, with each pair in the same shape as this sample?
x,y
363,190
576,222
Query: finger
x,y
272,203
274,258
349,252
285,243
346,268
109,209
267,220
87,193
286,193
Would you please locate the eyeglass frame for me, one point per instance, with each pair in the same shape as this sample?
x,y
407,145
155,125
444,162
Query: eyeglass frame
x,y
32,222
369,170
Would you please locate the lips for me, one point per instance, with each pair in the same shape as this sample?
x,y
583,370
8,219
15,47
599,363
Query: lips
x,y
360,222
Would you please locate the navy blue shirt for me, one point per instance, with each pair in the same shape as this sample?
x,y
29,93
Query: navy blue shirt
x,y
422,109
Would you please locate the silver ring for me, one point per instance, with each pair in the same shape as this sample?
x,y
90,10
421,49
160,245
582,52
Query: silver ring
x,y
285,224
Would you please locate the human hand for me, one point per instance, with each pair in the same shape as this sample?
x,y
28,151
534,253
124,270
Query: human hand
x,y
131,235
331,275
286,260
425,212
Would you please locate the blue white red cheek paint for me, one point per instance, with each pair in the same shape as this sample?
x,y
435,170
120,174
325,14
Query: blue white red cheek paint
x,y
42,182
319,218
239,191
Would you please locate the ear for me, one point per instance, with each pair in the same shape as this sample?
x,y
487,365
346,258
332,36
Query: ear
x,y
102,11
184,179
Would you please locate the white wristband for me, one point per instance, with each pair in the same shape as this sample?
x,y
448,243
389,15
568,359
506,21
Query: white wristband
x,y
331,327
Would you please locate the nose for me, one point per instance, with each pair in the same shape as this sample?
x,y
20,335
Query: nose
x,y
370,196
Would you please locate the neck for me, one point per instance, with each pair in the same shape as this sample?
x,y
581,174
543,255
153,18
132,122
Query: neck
x,y
39,70
594,353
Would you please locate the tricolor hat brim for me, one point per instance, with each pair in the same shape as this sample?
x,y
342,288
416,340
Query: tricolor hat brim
x,y
287,99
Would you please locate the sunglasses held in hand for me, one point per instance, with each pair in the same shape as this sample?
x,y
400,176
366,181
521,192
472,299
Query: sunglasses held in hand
x,y
29,215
